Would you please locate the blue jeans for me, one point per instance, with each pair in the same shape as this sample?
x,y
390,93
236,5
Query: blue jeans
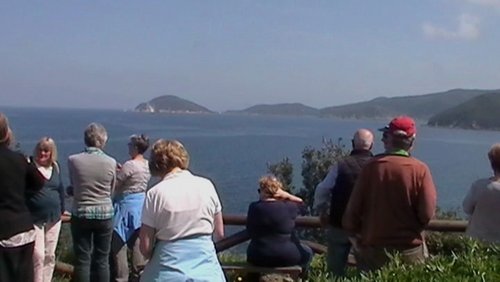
x,y
91,245
339,247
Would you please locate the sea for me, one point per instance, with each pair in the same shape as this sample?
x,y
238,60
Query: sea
x,y
234,150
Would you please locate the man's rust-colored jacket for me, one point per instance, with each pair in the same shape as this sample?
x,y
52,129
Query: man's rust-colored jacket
x,y
392,202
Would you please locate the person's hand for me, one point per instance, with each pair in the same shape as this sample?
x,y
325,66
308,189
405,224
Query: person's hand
x,y
66,216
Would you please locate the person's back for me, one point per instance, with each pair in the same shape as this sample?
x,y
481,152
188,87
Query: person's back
x,y
17,235
348,171
15,214
482,202
92,175
483,206
392,201
271,225
396,214
184,206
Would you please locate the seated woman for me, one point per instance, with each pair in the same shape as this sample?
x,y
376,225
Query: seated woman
x,y
179,216
482,203
271,224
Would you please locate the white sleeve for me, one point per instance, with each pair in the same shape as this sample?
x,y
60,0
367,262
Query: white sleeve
x,y
216,200
324,189
148,211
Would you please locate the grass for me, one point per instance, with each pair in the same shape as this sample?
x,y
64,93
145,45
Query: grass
x,y
453,258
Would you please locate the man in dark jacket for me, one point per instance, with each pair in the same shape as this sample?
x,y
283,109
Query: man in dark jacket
x,y
332,195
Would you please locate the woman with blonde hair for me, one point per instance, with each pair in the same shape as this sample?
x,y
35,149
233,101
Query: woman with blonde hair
x,y
17,235
46,207
180,215
271,226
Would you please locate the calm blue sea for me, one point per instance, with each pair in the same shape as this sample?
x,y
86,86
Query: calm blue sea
x,y
233,150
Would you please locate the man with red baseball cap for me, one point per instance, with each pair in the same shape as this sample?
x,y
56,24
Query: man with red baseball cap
x,y
392,201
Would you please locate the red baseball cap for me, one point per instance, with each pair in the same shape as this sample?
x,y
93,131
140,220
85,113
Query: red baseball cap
x,y
403,126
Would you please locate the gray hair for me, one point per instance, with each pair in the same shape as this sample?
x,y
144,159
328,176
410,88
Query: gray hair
x,y
95,135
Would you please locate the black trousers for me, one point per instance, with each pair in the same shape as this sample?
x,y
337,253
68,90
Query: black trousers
x,y
16,264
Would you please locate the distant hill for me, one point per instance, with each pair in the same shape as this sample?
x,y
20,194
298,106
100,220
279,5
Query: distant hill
x,y
288,109
419,106
171,104
481,112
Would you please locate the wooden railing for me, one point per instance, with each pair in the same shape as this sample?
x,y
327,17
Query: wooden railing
x,y
313,222
301,222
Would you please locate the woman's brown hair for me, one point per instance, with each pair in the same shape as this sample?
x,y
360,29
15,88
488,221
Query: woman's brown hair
x,y
167,155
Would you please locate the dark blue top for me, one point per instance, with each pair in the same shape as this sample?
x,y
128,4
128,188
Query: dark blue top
x,y
271,225
47,205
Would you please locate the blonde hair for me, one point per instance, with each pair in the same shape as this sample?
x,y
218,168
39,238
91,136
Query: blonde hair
x,y
49,144
494,157
5,131
167,155
270,185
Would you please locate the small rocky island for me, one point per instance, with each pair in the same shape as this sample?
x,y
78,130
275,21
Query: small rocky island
x,y
171,104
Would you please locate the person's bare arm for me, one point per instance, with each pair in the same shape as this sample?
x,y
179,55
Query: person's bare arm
x,y
146,237
284,195
218,227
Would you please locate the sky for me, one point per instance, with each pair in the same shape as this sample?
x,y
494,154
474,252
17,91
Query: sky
x,y
230,55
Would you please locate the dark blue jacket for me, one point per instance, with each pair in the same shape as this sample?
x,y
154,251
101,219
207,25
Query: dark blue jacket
x,y
271,225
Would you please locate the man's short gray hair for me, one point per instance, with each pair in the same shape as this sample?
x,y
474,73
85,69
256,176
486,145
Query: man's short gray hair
x,y
95,135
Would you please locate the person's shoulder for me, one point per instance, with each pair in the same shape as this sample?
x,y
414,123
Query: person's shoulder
x,y
417,162
130,164
74,158
13,155
481,183
200,180
157,188
109,158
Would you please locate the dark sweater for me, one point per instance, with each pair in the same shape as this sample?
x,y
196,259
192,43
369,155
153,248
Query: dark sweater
x,y
16,176
47,205
271,225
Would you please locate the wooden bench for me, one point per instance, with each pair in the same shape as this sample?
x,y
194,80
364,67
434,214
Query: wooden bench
x,y
293,271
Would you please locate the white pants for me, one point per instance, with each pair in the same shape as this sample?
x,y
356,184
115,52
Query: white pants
x,y
44,256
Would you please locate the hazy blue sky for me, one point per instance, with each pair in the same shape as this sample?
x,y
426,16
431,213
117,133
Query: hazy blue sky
x,y
234,54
